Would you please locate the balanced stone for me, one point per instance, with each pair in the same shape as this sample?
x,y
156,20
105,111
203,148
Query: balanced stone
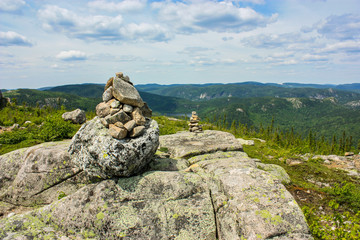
x,y
109,83
117,132
126,93
130,125
127,108
115,104
137,131
114,110
121,116
102,109
107,95
138,117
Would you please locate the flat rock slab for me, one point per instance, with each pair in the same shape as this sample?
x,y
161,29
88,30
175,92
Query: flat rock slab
x,y
187,144
37,175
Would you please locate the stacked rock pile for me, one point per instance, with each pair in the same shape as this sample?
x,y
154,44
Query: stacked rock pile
x,y
122,110
194,123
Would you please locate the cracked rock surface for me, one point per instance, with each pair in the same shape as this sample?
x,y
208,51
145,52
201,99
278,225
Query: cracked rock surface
x,y
212,195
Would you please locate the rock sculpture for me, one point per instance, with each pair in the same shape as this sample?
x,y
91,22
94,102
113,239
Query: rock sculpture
x,y
120,141
194,123
122,108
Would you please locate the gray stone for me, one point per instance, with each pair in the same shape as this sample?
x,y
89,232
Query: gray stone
x,y
100,155
120,116
127,108
186,144
115,104
126,93
137,131
107,95
104,122
77,116
130,125
138,117
102,110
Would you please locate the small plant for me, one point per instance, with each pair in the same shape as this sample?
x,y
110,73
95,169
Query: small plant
x,y
61,195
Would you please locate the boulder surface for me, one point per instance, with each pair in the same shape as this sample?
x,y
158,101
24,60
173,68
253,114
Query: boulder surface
x,y
100,155
212,195
77,116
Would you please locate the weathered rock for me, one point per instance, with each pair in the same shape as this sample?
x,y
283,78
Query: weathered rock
x,y
146,111
137,131
97,153
127,108
120,116
119,74
130,125
77,116
119,124
107,95
37,175
102,110
126,93
114,110
117,132
138,117
104,122
156,205
109,83
185,144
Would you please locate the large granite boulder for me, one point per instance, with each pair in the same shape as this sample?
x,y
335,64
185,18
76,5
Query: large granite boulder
x,y
212,195
100,155
77,116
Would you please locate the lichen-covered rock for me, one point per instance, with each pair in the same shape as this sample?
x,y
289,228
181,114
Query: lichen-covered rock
x,y
155,205
102,109
100,155
37,174
107,95
77,116
185,144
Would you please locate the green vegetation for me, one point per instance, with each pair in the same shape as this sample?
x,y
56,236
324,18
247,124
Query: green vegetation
x,y
44,125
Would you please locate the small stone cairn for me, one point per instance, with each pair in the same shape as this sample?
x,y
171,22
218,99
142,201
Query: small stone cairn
x,y
122,110
194,123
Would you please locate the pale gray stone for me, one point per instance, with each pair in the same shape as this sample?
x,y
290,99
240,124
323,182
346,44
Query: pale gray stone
x,y
107,95
126,93
115,104
77,116
127,108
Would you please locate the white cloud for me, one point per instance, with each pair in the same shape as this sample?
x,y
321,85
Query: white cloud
x,y
344,27
346,46
99,27
122,6
71,55
11,5
13,39
276,40
203,16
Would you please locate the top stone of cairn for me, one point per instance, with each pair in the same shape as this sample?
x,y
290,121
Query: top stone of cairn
x,y
124,91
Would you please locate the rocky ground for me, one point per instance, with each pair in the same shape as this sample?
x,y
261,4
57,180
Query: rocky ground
x,y
198,186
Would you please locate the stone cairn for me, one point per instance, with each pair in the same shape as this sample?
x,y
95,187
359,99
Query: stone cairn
x,y
194,123
122,110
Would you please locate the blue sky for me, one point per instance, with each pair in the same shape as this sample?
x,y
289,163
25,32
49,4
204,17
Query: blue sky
x,y
50,43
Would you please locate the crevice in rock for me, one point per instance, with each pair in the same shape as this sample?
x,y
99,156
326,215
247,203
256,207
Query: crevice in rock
x,y
215,216
57,183
48,171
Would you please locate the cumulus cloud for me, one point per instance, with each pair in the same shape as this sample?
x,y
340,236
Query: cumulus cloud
x,y
72,55
122,6
98,27
203,16
344,27
11,5
275,40
13,39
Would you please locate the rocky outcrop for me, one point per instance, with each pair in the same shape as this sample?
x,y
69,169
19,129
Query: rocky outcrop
x,y
77,116
36,175
3,101
100,155
184,194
